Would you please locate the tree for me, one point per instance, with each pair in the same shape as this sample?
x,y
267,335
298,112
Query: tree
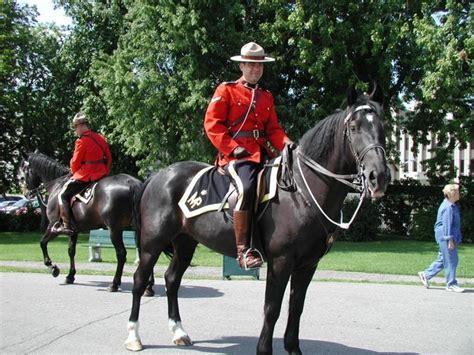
x,y
145,70
443,86
170,56
158,81
97,26
34,89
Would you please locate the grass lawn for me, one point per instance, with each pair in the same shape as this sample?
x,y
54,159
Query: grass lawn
x,y
388,256
402,257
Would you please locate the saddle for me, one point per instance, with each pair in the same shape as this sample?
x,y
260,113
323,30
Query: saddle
x,y
210,190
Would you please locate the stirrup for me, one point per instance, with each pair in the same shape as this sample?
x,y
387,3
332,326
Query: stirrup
x,y
60,228
251,251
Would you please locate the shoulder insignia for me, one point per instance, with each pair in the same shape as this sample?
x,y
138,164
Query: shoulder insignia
x,y
230,82
216,98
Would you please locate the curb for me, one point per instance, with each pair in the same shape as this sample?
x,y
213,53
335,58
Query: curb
x,y
204,272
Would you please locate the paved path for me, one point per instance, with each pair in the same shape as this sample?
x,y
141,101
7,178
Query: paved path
x,y
39,315
216,273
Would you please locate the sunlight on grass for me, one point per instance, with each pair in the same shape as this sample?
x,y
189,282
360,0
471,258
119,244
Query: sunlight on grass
x,y
402,257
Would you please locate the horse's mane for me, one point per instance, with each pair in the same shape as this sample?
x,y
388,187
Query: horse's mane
x,y
47,167
318,141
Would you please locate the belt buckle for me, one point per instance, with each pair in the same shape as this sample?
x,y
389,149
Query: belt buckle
x,y
256,133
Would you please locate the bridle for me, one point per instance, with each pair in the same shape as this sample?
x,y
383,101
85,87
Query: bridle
x,y
359,181
347,133
38,191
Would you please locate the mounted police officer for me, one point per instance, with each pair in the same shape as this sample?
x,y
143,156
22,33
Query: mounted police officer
x,y
239,121
90,162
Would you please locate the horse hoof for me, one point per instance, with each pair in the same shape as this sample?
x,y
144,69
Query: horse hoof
x,y
134,345
183,341
55,271
69,280
149,293
113,288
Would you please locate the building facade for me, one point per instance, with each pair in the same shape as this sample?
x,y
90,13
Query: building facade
x,y
411,157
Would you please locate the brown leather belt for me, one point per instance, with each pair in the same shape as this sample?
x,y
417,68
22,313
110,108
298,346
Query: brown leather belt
x,y
248,134
100,161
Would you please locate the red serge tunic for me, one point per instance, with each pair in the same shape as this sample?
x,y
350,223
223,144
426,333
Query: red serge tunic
x,y
225,116
87,162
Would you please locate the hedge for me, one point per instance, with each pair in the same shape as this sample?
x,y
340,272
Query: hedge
x,y
27,222
366,225
409,208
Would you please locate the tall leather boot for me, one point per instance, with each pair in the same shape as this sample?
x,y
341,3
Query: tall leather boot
x,y
66,226
247,258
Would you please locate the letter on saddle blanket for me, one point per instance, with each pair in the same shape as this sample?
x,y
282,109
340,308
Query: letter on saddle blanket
x,y
85,195
210,191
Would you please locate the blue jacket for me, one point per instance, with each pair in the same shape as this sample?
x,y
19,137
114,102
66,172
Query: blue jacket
x,y
448,222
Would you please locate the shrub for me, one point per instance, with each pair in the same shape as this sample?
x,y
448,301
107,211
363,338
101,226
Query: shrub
x,y
26,222
5,222
467,208
366,224
402,200
424,217
467,226
423,224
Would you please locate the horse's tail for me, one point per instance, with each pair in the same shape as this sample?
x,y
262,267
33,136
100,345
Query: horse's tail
x,y
137,193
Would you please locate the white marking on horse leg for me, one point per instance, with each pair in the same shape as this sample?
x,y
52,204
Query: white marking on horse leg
x,y
180,337
133,342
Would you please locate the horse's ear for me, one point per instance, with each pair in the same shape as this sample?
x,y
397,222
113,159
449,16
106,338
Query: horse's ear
x,y
377,94
351,95
36,151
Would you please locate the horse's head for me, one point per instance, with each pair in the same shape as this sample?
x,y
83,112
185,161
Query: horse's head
x,y
364,130
27,179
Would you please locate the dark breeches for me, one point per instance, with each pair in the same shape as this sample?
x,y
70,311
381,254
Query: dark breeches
x,y
71,188
244,177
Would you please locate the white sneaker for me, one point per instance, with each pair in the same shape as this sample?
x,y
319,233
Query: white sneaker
x,y
423,279
454,288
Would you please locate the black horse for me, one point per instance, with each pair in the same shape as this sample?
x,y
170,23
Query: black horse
x,y
110,207
296,228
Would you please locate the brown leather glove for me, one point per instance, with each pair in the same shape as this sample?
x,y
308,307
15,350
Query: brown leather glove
x,y
291,145
240,152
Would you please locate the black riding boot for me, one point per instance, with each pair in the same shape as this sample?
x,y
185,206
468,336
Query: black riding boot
x,y
247,258
66,226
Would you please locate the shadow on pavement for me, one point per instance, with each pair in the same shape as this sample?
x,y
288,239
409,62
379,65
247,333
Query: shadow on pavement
x,y
247,345
185,291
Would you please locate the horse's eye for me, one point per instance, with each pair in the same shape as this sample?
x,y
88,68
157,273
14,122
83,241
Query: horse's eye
x,y
353,128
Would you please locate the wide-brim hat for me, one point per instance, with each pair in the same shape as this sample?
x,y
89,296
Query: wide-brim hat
x,y
79,118
252,53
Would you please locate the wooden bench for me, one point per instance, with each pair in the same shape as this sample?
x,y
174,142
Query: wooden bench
x,y
100,238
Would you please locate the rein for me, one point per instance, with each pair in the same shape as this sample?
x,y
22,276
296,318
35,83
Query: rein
x,y
361,183
362,187
44,188
37,190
